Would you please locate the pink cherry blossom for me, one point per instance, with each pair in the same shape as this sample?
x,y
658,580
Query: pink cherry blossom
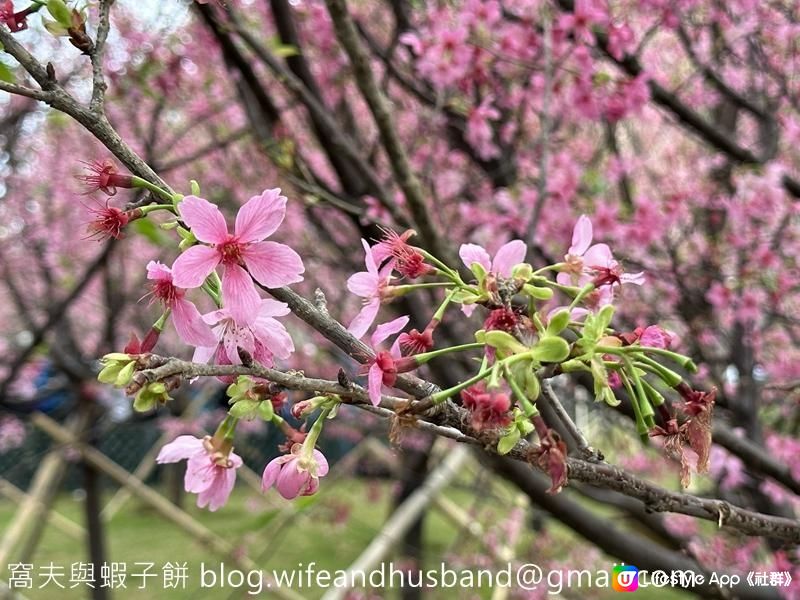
x,y
507,257
264,338
585,14
295,474
370,285
654,336
586,263
270,263
386,365
210,471
185,316
479,131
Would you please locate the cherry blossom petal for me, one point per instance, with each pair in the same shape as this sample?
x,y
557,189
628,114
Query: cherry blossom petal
x,y
273,308
291,480
369,257
509,256
273,335
634,278
182,447
384,330
200,473
235,338
271,473
375,382
472,253
363,284
581,236
260,216
564,279
322,463
468,309
598,255
158,271
239,295
216,495
193,266
204,219
364,319
215,316
204,354
189,324
272,264
311,487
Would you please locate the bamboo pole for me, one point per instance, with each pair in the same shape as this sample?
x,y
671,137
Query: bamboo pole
x,y
65,525
402,518
148,462
42,490
159,503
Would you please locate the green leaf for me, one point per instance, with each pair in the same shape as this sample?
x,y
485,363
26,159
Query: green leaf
x,y
532,385
609,397
60,12
124,375
551,349
54,27
558,322
465,297
244,409
149,230
478,270
504,342
266,411
109,374
539,293
604,318
507,442
144,401
522,271
6,74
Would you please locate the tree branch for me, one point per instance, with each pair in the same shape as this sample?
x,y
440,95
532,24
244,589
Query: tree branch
x,y
455,418
347,34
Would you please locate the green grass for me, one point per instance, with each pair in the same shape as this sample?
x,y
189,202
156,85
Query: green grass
x,y
277,538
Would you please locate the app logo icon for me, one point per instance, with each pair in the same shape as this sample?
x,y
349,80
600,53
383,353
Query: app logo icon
x,y
625,578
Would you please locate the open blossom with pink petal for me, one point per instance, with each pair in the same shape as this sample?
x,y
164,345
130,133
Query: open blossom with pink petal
x,y
185,316
210,470
264,338
387,364
295,474
370,285
270,263
585,263
507,257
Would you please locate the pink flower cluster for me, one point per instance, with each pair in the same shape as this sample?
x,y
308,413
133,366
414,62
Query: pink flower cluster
x,y
246,322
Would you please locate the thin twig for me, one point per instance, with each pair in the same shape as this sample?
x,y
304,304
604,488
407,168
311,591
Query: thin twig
x,y
98,80
549,396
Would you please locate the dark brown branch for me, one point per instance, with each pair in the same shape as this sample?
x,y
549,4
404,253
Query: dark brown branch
x,y
690,119
451,422
347,34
